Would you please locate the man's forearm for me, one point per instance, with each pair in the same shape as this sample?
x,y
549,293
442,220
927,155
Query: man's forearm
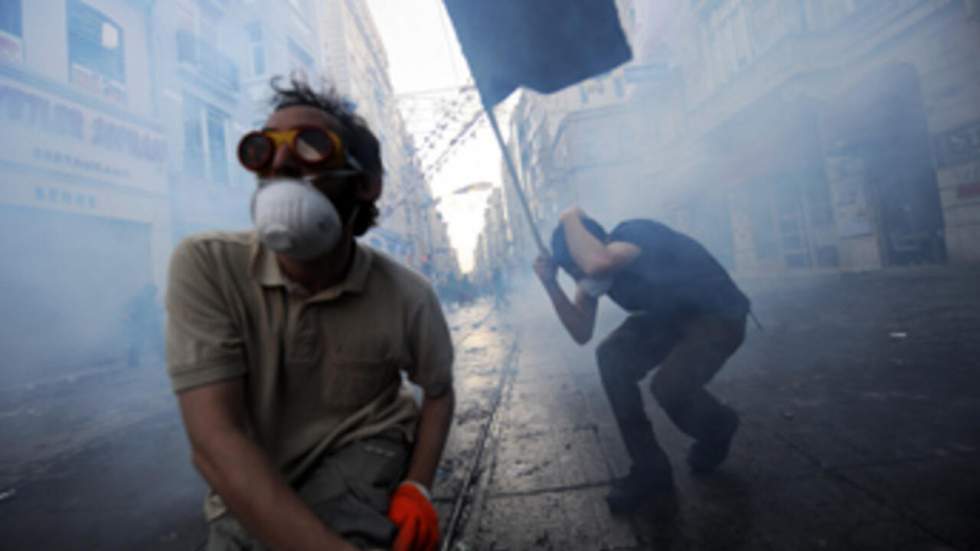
x,y
587,251
430,437
254,491
569,315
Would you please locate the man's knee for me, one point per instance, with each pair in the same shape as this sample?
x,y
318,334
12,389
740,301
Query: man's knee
x,y
605,355
613,363
671,395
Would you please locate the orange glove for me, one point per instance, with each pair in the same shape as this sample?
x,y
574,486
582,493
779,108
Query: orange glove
x,y
418,524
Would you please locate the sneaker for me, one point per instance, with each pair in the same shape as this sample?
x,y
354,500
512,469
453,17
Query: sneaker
x,y
707,454
637,489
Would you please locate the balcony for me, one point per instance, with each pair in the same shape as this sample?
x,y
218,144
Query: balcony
x,y
205,63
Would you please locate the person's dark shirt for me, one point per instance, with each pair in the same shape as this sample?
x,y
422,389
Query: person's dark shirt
x,y
674,277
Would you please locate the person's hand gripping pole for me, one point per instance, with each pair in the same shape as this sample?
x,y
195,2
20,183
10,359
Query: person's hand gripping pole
x,y
545,268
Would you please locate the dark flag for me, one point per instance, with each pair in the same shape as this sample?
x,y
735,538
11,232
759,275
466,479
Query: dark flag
x,y
544,45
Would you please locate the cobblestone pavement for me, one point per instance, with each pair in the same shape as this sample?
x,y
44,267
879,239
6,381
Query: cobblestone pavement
x,y
859,404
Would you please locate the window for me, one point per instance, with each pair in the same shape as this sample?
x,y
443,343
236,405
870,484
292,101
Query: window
x,y
299,58
187,31
10,17
205,143
727,41
193,142
258,60
254,31
198,36
95,52
11,31
216,145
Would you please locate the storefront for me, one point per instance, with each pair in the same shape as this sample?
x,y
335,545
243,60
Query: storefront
x,y
84,226
880,168
844,181
761,202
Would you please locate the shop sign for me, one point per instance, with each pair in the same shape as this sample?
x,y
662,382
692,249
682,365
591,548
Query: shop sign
x,y
959,145
43,192
55,133
65,198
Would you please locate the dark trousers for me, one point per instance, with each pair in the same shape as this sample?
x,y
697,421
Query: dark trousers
x,y
689,354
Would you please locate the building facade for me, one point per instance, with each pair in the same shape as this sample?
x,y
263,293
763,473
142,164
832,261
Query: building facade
x,y
84,207
444,262
851,109
493,246
787,136
204,99
122,118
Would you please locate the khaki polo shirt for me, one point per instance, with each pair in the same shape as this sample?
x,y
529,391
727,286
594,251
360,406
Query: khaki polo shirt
x,y
319,371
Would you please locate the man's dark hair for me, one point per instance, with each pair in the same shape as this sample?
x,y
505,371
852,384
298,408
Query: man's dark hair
x,y
559,246
361,143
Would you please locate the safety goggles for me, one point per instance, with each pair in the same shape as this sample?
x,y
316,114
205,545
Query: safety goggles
x,y
314,147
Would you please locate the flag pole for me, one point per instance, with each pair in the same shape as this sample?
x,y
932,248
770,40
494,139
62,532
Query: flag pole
x,y
514,178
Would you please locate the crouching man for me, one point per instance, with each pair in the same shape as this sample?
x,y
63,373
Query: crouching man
x,y
286,343
687,317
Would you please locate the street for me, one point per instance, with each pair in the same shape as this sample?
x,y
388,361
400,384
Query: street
x,y
859,408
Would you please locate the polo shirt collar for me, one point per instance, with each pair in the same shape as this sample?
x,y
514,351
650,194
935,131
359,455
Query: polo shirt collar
x,y
358,273
266,271
264,268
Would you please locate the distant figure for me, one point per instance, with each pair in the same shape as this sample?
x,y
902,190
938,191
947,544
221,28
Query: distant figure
x,y
687,316
467,291
144,326
498,288
450,290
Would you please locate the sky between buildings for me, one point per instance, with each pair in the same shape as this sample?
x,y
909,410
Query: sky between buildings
x,y
423,54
